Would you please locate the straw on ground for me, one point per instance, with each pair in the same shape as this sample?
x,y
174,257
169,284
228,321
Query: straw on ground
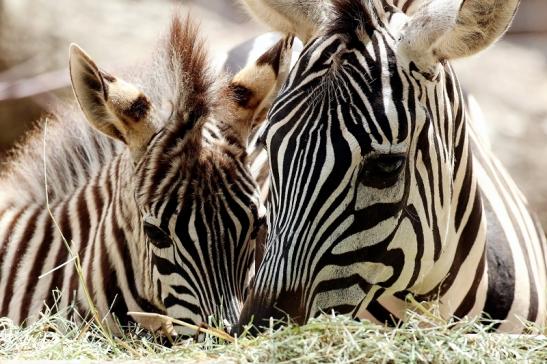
x,y
328,339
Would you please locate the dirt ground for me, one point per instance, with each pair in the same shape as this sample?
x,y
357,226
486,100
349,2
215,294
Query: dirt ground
x,y
509,80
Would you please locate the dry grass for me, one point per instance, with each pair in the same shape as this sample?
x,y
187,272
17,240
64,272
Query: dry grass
x,y
328,339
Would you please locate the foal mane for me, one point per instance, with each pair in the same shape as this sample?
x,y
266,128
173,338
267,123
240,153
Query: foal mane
x,y
178,74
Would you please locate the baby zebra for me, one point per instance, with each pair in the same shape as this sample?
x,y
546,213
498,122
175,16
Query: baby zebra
x,y
161,211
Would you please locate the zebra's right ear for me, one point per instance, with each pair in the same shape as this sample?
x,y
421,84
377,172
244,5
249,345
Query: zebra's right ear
x,y
111,105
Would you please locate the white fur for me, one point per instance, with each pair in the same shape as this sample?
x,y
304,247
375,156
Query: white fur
x,y
448,29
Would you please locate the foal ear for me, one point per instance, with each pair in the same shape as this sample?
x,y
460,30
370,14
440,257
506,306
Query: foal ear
x,y
111,105
447,29
256,86
302,18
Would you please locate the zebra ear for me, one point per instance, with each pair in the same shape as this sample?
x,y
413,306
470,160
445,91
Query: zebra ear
x,y
113,106
448,29
302,18
255,87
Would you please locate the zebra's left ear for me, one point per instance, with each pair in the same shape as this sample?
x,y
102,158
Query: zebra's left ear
x,y
111,105
448,29
255,87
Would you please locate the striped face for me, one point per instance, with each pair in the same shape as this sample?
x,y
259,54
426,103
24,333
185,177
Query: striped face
x,y
360,144
189,202
199,201
199,207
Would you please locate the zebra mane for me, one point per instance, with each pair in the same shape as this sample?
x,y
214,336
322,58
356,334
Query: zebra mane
x,y
178,75
353,16
194,86
350,17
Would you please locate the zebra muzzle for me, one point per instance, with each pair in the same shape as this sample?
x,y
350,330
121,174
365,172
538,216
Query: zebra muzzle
x,y
260,313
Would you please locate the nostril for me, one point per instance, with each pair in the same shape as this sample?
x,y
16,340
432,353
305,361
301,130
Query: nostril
x,y
236,330
256,311
262,321
259,314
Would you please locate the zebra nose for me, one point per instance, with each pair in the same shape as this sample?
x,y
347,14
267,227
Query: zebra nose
x,y
260,313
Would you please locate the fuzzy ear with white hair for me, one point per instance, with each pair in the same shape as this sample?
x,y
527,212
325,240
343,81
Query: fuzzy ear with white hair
x,y
111,105
302,18
447,29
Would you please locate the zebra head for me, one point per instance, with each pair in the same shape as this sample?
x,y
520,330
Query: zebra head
x,y
367,152
197,206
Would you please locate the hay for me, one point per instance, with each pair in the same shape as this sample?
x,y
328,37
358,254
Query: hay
x,y
328,339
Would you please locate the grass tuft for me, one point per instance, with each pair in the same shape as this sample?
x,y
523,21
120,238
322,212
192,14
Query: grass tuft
x,y
328,339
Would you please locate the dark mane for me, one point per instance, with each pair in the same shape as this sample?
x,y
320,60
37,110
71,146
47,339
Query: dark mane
x,y
352,16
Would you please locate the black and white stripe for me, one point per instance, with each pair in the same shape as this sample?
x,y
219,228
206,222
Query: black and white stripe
x,y
380,185
168,227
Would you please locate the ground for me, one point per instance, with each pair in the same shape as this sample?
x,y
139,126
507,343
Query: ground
x,y
422,339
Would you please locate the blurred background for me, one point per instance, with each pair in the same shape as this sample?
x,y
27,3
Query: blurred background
x,y
509,80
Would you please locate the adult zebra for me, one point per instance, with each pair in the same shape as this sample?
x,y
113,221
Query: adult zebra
x,y
162,213
379,184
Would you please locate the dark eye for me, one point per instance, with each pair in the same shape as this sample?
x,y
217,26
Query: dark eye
x,y
383,170
157,236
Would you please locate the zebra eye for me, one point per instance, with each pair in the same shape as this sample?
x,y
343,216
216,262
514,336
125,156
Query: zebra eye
x,y
382,171
157,236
